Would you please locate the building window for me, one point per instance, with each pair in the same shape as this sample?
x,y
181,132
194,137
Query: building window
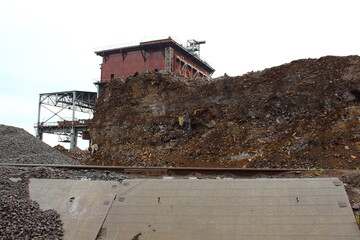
x,y
112,76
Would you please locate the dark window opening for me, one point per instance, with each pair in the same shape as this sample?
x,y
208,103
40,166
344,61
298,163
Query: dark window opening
x,y
112,76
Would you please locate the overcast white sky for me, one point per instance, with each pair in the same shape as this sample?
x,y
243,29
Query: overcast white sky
x,y
48,46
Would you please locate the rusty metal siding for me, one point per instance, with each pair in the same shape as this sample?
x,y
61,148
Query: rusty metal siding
x,y
124,64
147,58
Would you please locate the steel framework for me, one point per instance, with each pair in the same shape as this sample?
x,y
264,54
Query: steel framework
x,y
169,59
193,47
72,100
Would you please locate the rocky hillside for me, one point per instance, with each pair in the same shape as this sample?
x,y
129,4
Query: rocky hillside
x,y
303,114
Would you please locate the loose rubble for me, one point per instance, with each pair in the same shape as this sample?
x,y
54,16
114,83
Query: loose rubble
x,y
82,156
57,173
304,114
19,146
22,218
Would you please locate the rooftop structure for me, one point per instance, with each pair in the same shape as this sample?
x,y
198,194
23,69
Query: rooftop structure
x,y
158,55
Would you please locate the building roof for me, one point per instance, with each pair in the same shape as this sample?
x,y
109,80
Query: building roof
x,y
167,42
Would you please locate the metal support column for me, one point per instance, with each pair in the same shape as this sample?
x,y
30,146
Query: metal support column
x,y
38,131
169,58
73,134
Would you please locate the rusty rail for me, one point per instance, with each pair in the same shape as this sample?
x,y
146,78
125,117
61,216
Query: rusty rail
x,y
167,169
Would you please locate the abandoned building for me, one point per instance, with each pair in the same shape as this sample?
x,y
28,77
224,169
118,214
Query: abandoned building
x,y
158,55
164,55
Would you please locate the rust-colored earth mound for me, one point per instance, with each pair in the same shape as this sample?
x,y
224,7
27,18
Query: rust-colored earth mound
x,y
303,114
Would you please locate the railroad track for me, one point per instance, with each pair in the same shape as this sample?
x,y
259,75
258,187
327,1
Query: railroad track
x,y
163,170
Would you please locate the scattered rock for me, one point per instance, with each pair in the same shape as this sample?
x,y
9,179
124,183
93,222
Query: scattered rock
x,y
356,206
22,218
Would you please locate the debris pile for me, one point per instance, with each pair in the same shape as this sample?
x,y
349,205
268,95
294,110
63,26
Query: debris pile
x,y
82,156
19,146
61,173
22,218
304,114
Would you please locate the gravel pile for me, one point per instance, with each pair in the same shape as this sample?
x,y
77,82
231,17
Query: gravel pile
x,y
22,218
19,146
61,173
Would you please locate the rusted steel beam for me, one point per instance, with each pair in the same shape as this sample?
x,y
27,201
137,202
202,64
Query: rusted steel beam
x,y
173,169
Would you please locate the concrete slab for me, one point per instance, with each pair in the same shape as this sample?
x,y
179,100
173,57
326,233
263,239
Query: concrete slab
x,y
200,209
231,209
82,204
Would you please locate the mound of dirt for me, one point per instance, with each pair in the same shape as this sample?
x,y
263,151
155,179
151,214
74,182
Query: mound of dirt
x,y
19,146
304,114
82,156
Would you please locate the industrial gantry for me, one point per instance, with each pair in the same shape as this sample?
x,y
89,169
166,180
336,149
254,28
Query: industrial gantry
x,y
70,129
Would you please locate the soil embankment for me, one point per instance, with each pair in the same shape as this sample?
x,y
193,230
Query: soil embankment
x,y
304,114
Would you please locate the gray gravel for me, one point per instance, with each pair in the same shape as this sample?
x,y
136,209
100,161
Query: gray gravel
x,y
61,173
22,218
19,146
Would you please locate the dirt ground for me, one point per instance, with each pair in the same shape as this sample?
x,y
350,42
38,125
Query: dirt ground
x,y
303,114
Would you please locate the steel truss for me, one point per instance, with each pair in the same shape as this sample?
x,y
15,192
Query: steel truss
x,y
187,69
79,101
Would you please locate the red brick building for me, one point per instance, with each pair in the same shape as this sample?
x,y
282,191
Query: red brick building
x,y
159,55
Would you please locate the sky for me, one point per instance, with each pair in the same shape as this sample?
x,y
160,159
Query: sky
x,y
48,46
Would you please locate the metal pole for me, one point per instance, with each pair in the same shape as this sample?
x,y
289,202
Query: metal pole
x,y
73,133
38,132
